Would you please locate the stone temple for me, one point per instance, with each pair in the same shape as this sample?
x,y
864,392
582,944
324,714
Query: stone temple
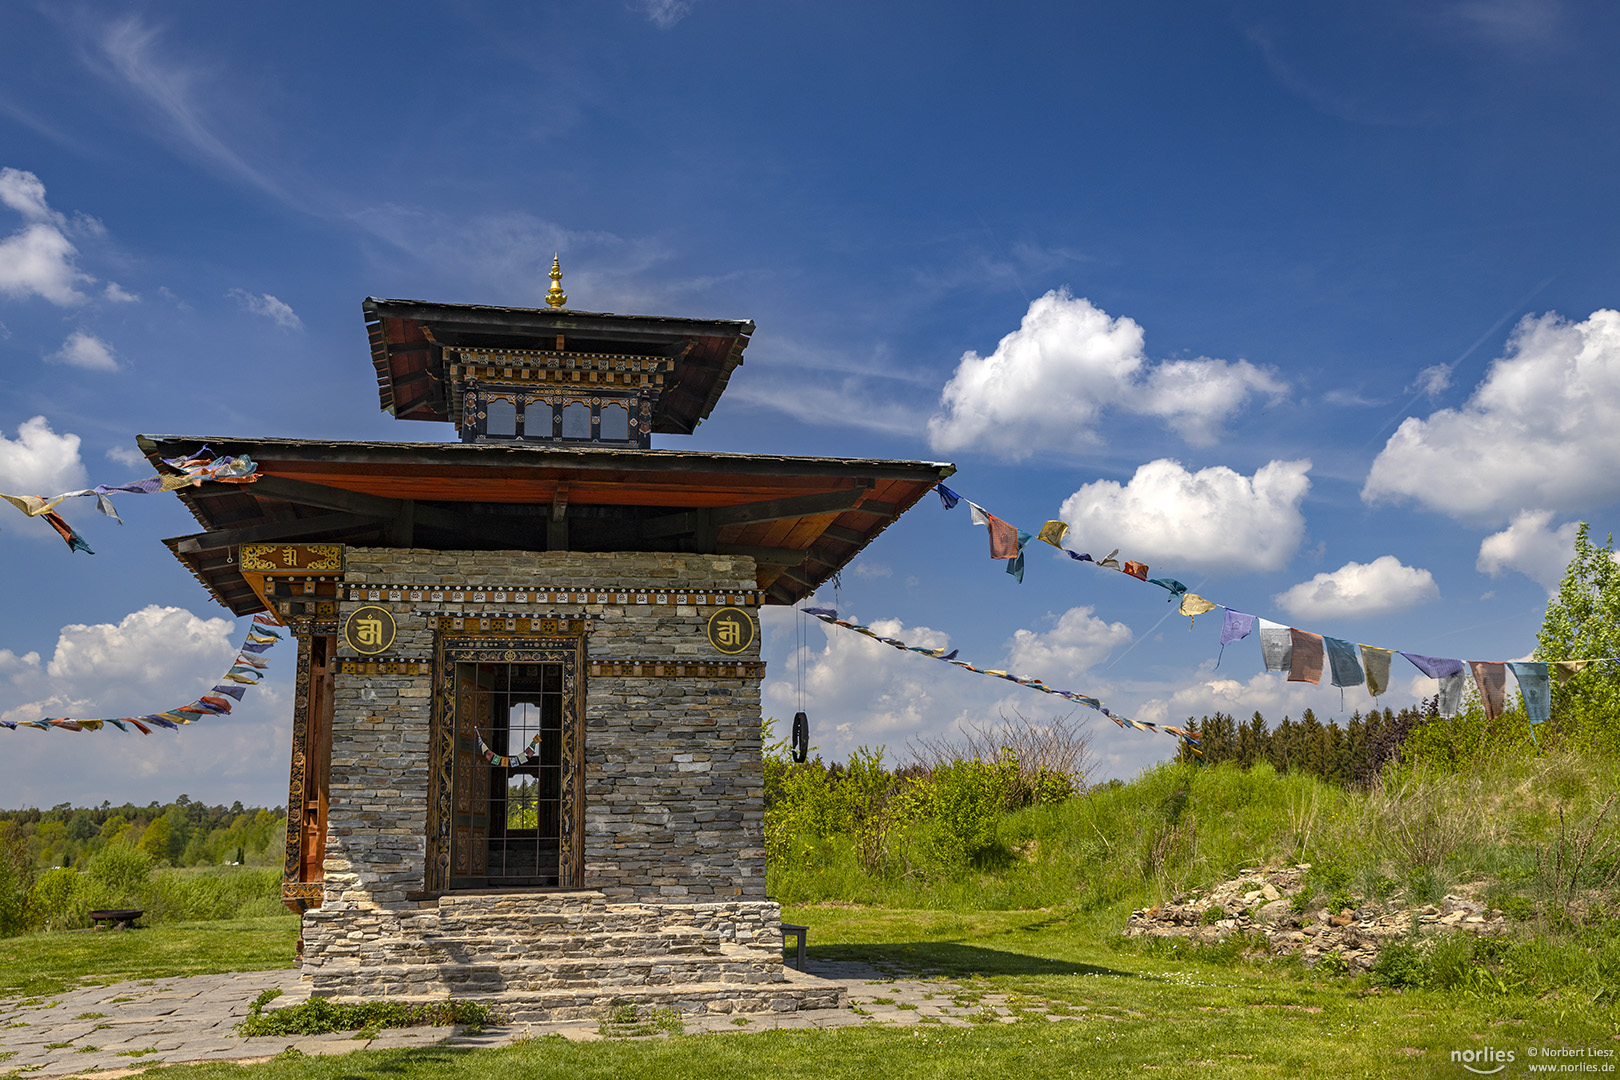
x,y
526,757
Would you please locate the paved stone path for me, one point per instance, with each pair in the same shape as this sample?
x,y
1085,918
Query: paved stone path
x,y
114,1030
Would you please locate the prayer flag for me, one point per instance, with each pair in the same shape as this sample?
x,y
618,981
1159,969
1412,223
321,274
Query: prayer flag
x,y
1053,532
1276,643
1376,661
947,497
1342,659
1568,669
1536,688
1193,605
977,514
1003,539
1305,657
1177,589
1137,570
1491,678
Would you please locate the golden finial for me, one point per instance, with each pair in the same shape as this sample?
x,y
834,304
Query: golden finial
x,y
554,295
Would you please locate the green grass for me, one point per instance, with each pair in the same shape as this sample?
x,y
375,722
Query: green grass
x,y
51,963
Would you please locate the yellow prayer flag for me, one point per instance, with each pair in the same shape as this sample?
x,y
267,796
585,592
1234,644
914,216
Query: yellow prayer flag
x,y
1053,532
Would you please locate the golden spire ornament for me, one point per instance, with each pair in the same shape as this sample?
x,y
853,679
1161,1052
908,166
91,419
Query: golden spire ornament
x,y
554,295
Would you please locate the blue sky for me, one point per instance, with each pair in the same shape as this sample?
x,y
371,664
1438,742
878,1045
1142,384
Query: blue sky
x,y
1306,305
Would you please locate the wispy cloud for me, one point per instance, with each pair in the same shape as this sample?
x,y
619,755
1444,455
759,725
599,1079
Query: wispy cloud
x,y
269,307
666,13
130,52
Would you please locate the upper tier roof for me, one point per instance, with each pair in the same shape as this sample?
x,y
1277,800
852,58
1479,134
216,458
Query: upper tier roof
x,y
409,339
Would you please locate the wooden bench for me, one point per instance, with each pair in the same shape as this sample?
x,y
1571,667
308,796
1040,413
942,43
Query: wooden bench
x,y
799,932
117,918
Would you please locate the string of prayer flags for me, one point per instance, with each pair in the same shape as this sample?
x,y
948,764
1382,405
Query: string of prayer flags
x,y
1300,653
203,466
216,702
830,616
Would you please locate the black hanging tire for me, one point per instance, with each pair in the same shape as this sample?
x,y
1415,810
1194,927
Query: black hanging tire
x,y
800,745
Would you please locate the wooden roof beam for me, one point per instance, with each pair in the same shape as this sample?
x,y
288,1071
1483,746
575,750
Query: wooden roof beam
x,y
278,530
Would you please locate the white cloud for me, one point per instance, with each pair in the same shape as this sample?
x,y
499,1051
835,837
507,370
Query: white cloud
x,y
1433,380
666,13
84,350
1543,428
871,570
1076,644
118,294
150,660
39,461
1529,546
268,306
1267,693
38,261
1048,382
1360,589
25,193
1214,519
129,456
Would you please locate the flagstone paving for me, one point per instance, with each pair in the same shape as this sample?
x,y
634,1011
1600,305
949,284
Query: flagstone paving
x,y
109,1031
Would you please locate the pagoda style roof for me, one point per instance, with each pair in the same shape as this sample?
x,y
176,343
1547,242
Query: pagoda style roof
x,y
802,519
423,354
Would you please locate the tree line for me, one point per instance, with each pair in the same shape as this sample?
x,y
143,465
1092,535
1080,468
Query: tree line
x,y
180,833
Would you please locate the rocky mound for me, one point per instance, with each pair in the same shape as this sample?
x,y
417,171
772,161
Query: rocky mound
x,y
1261,905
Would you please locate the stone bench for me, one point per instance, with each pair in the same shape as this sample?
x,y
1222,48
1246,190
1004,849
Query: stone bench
x,y
801,933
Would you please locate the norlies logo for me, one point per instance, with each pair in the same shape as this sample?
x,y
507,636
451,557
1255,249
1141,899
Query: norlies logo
x,y
1490,1060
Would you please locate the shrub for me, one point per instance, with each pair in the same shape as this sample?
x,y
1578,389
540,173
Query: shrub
x,y
1400,964
320,1016
16,881
122,871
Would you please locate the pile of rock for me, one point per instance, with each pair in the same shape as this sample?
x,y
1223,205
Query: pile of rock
x,y
1259,904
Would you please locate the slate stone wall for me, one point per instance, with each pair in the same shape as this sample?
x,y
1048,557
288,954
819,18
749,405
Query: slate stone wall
x,y
674,791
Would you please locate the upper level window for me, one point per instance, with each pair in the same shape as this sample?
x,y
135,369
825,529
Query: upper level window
x,y
615,423
501,422
576,420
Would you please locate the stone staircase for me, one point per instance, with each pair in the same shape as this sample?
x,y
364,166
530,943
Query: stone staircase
x,y
563,956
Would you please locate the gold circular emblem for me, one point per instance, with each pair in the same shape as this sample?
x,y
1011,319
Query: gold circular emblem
x,y
731,630
369,630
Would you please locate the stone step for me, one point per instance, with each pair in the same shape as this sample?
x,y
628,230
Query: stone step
x,y
798,991
576,947
525,974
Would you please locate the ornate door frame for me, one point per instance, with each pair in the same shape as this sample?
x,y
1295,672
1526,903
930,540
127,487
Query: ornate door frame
x,y
472,640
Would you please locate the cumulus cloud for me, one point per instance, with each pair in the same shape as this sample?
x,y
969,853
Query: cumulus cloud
x,y
1267,693
84,350
39,461
1542,429
39,261
1212,519
1076,644
268,306
1360,589
25,193
1531,547
1048,382
154,658
118,294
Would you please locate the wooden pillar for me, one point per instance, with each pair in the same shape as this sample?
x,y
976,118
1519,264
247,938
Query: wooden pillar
x,y
308,780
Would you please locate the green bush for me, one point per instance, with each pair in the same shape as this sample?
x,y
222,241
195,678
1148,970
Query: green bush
x,y
121,871
320,1016
16,881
